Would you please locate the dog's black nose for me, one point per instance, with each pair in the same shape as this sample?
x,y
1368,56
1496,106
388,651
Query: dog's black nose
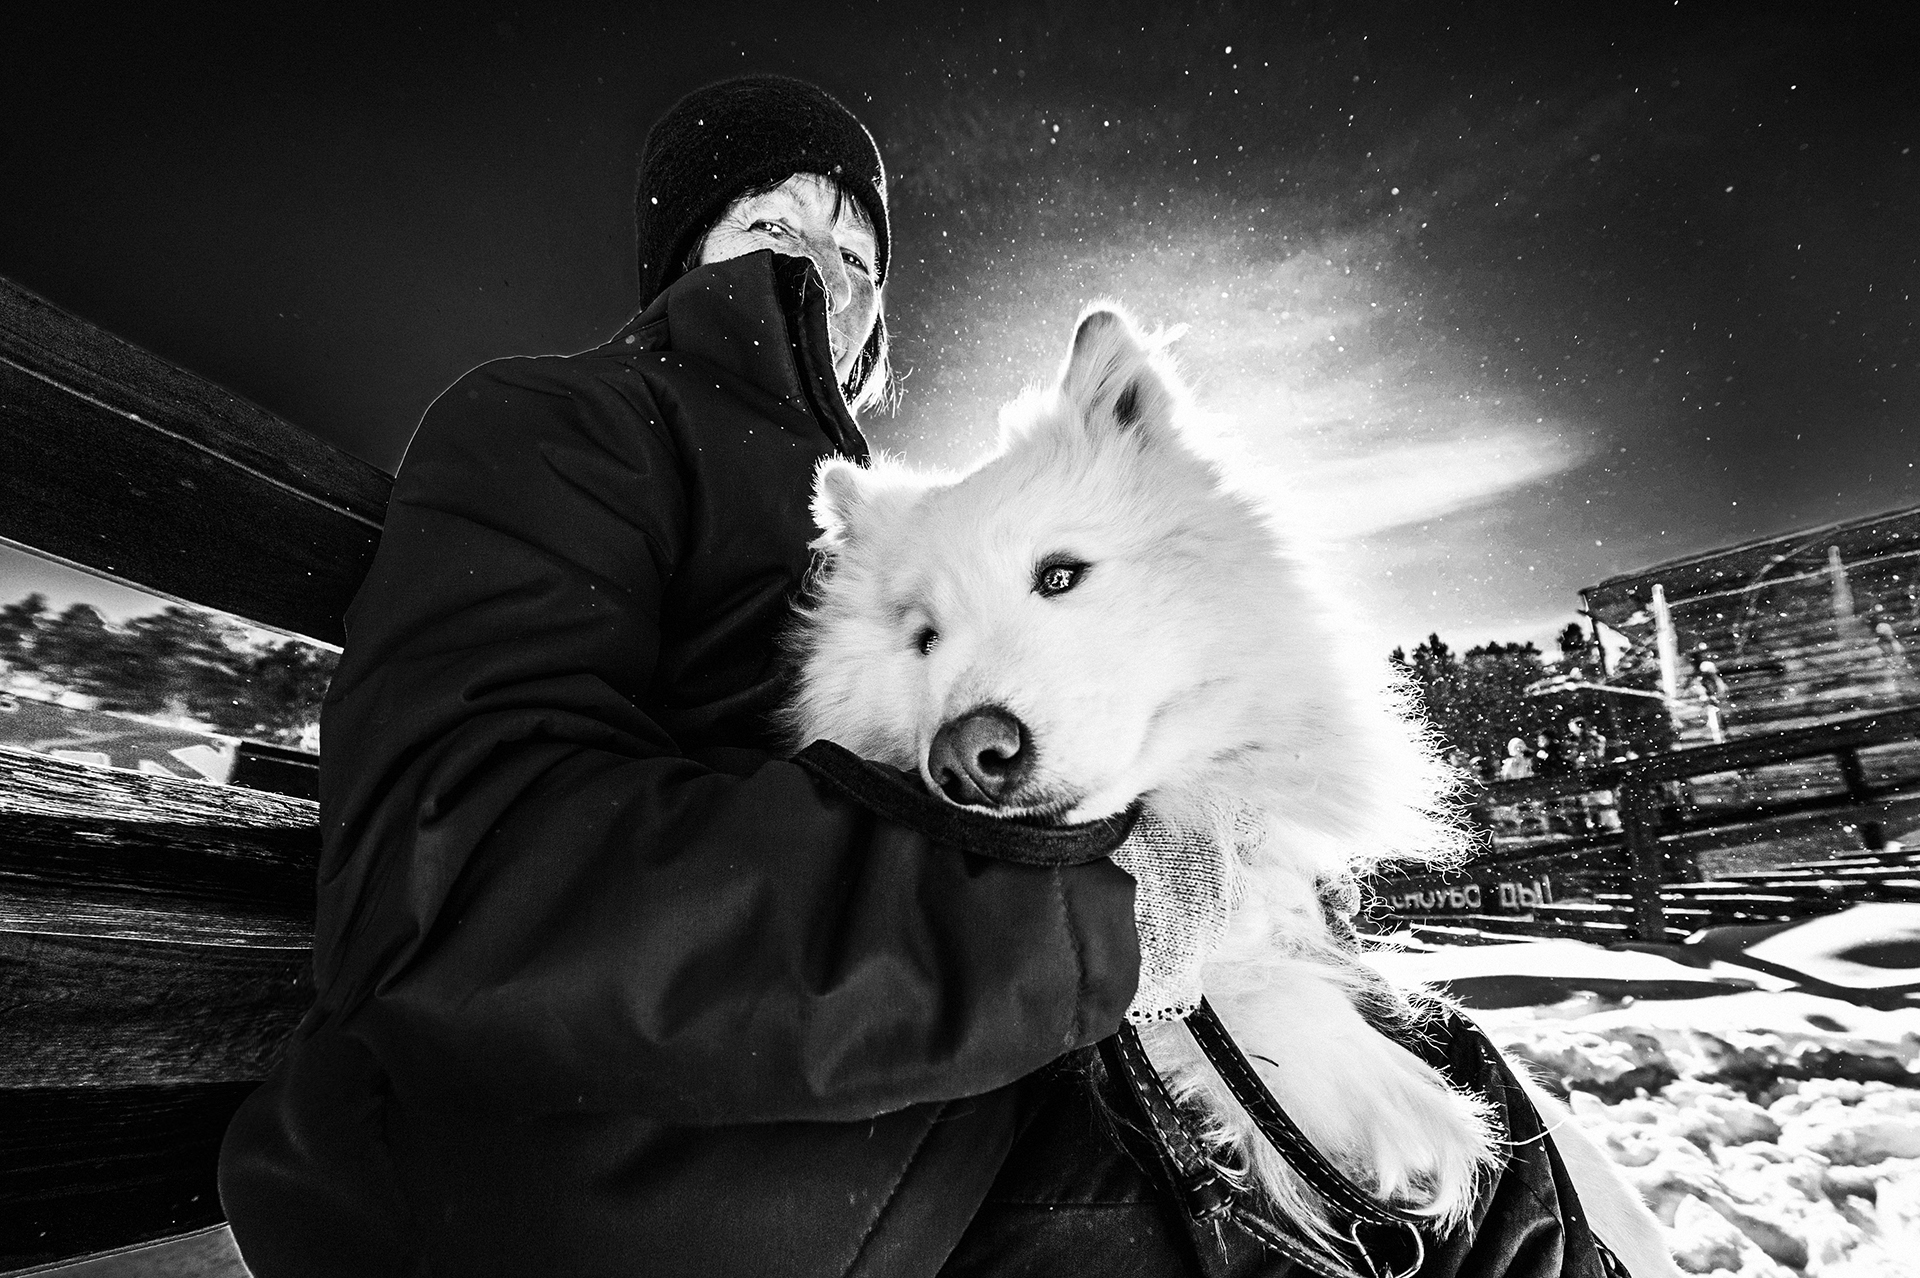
x,y
980,758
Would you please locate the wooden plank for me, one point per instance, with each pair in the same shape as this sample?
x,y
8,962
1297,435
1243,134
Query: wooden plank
x,y
155,938
145,915
167,863
1852,732
1849,733
107,852
207,1252
1535,789
84,1169
93,488
1618,597
81,1011
1828,873
33,784
152,930
1736,827
116,460
258,765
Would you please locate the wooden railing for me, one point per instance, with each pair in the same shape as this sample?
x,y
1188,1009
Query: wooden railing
x,y
1632,871
154,933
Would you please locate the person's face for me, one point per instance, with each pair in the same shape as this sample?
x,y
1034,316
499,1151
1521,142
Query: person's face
x,y
797,218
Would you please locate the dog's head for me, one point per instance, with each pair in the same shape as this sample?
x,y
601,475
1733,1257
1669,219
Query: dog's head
x,y
1064,628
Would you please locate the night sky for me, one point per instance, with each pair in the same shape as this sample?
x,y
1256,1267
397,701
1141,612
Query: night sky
x,y
1500,298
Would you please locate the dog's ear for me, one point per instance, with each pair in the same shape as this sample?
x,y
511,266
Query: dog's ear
x,y
1117,379
839,500
851,501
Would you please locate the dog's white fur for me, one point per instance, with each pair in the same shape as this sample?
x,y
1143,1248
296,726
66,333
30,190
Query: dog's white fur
x,y
1194,665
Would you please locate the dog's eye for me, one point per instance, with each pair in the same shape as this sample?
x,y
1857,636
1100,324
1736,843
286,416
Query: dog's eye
x,y
1057,577
925,638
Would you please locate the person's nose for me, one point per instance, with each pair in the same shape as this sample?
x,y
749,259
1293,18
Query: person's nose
x,y
825,253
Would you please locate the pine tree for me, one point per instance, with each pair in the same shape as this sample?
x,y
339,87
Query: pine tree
x,y
174,660
76,649
19,627
1575,646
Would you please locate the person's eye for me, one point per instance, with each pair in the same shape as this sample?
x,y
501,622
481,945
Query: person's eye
x,y
771,228
854,260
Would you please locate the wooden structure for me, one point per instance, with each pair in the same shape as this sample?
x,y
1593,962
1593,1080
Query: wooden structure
x,y
1658,847
1791,669
1799,628
154,933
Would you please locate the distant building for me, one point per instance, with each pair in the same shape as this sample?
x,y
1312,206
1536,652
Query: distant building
x,y
1777,633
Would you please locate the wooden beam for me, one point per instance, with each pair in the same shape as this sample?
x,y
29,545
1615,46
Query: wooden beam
x,y
153,931
114,459
85,1011
1833,737
87,1168
1854,731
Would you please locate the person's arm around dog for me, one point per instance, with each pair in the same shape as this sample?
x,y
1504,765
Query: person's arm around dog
x,y
574,906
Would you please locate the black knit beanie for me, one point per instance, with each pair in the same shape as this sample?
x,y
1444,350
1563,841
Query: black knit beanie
x,y
736,136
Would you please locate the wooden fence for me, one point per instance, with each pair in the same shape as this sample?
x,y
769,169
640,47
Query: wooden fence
x,y
1643,848
154,933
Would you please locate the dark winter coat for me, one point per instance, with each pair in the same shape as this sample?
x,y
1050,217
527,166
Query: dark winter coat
x,y
605,985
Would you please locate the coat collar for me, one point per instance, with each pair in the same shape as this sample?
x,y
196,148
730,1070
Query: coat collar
x,y
763,319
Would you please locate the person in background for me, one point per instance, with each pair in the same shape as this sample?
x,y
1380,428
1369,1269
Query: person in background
x,y
1548,761
1584,746
1519,761
1711,689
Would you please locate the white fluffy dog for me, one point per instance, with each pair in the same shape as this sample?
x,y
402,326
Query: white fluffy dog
x,y
1093,616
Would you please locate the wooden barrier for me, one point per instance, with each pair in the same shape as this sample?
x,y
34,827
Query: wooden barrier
x,y
115,460
155,934
1642,881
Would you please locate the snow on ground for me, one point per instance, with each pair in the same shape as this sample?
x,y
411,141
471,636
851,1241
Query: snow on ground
x,y
1774,1132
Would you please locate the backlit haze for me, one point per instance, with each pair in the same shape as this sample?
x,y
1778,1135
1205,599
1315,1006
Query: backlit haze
x,y
1505,301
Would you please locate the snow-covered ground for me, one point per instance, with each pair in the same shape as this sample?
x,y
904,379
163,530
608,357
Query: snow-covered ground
x,y
1774,1132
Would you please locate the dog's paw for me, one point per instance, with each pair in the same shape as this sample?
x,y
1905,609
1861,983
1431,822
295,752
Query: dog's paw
x,y
1393,1125
1427,1150
1388,1120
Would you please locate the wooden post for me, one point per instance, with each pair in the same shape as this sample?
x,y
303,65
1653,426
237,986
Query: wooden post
x,y
1644,869
1666,644
1854,775
1843,609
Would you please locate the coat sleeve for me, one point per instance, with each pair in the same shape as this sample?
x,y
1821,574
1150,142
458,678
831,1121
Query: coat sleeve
x,y
530,898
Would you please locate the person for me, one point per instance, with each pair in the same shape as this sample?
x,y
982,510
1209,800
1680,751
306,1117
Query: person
x,y
1585,746
606,983
1587,751
1711,689
1526,817
1548,760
